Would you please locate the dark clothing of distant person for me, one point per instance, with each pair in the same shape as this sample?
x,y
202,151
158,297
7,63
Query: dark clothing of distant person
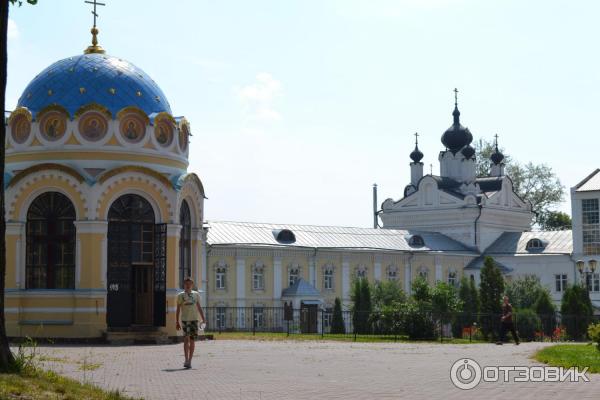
x,y
507,324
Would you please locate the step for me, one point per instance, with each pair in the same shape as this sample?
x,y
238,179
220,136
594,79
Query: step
x,y
129,338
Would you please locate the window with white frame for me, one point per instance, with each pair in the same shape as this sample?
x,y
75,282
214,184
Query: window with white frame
x,y
328,278
361,272
452,278
593,282
220,276
221,317
258,276
534,244
293,274
424,273
327,316
590,214
392,273
561,282
259,316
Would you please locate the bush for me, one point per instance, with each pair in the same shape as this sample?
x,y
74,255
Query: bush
x,y
576,310
416,322
594,334
527,323
337,319
491,288
544,307
361,307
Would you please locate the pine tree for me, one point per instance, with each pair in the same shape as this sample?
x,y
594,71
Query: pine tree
x,y
545,309
576,310
490,293
337,319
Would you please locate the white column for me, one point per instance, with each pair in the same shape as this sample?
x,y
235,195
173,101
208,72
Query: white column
x,y
18,229
203,267
407,277
377,269
240,298
345,279
438,270
312,276
277,278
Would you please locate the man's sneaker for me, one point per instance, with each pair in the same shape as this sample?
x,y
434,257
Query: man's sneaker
x,y
187,365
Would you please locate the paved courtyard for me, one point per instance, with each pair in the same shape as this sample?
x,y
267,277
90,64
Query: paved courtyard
x,y
304,370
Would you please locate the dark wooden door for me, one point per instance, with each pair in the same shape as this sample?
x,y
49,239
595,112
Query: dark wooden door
x,y
143,293
308,318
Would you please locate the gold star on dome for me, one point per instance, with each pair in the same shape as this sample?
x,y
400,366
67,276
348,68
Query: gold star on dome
x,y
157,98
138,93
81,90
112,90
50,92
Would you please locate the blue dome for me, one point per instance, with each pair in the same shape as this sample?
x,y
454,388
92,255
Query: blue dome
x,y
94,78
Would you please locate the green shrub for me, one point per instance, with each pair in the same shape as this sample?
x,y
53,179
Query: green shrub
x,y
337,319
594,334
576,311
527,323
416,322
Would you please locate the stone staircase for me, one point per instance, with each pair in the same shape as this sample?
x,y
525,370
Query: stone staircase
x,y
136,335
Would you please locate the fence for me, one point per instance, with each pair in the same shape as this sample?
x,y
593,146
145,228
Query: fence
x,y
392,325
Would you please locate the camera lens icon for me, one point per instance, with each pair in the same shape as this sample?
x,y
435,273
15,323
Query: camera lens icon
x,y
465,373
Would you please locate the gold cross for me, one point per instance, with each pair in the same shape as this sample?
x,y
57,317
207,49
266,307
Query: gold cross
x,y
95,3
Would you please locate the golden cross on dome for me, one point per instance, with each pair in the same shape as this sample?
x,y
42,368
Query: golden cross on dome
x,y
416,138
455,97
94,13
94,48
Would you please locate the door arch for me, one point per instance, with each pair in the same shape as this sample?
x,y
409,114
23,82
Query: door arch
x,y
136,264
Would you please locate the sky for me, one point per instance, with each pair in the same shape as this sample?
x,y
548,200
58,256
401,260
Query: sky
x,y
298,107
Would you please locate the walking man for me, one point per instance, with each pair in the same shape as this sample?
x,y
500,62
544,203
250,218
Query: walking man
x,y
506,322
188,306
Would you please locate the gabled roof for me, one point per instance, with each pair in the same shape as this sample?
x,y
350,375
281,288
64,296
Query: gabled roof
x,y
301,288
328,237
555,242
477,264
590,184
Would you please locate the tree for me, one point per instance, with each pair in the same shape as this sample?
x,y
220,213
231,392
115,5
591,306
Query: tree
x,y
556,221
361,305
545,309
469,298
445,302
537,184
6,357
421,292
524,291
386,293
337,319
576,311
490,293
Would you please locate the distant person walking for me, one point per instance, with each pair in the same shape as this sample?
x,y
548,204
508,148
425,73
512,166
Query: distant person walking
x,y
506,322
188,306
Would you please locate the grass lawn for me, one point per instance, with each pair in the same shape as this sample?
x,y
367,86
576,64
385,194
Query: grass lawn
x,y
571,355
340,338
48,385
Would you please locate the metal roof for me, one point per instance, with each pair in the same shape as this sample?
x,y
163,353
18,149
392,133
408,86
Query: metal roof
x,y
477,264
301,288
555,242
328,237
589,184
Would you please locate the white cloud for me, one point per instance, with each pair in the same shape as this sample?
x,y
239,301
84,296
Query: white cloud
x,y
258,97
12,29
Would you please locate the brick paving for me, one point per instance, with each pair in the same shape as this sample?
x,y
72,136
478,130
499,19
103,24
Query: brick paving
x,y
249,370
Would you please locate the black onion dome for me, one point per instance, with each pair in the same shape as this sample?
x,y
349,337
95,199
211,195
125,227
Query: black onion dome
x,y
457,136
416,155
497,156
468,151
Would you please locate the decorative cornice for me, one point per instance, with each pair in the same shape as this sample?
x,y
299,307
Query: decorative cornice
x,y
45,167
135,168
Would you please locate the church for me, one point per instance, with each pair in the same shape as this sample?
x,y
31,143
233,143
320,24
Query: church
x,y
104,221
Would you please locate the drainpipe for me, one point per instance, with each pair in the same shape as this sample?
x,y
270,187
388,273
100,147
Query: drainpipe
x,y
475,224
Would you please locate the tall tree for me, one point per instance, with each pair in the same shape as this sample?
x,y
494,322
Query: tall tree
x,y
6,357
556,221
536,183
524,291
337,319
576,311
491,289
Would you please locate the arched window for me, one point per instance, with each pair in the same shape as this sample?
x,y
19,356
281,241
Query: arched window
x,y
392,273
361,272
424,273
293,274
416,241
535,244
185,243
220,276
452,278
258,276
328,278
50,262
